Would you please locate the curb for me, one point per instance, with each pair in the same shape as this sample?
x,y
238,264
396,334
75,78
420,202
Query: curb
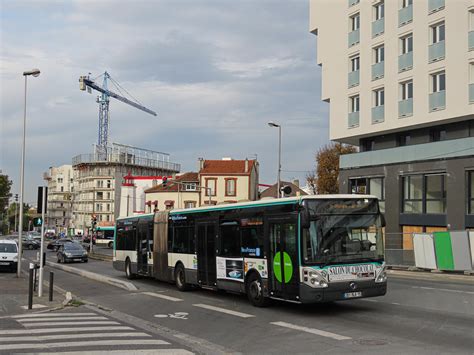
x,y
93,276
100,257
426,275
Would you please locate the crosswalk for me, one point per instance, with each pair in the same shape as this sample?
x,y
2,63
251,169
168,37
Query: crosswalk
x,y
79,332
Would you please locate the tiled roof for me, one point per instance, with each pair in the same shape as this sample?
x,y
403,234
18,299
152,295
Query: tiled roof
x,y
172,187
272,191
226,167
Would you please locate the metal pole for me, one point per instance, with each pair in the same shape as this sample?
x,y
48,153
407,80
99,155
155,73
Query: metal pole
x,y
22,184
51,280
40,286
30,288
279,160
16,216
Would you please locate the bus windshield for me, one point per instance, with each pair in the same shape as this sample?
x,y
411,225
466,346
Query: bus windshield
x,y
343,238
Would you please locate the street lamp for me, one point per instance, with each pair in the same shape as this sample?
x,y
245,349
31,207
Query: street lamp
x,y
273,124
35,73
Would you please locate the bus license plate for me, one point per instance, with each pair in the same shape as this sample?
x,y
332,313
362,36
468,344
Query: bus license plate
x,y
352,294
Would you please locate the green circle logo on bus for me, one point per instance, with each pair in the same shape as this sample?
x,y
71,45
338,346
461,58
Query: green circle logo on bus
x,y
287,266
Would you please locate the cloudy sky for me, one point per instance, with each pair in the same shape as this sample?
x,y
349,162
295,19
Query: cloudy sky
x,y
215,71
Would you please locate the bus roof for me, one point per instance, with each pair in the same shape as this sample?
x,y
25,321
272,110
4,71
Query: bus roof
x,y
258,203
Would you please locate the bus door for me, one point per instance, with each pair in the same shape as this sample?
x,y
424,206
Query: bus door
x,y
283,260
206,253
143,250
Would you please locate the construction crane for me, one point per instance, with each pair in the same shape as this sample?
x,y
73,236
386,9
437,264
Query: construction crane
x,y
85,82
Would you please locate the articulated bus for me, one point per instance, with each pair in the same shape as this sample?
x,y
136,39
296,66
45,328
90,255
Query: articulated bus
x,y
302,249
105,236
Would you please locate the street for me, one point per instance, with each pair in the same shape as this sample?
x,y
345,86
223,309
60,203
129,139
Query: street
x,y
422,316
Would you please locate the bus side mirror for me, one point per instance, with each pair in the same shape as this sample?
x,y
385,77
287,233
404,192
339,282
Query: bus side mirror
x,y
305,220
382,220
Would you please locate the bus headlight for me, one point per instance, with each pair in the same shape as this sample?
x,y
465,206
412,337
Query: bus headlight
x,y
381,273
315,278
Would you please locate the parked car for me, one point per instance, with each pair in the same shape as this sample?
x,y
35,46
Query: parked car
x,y
34,235
30,243
8,254
69,252
55,244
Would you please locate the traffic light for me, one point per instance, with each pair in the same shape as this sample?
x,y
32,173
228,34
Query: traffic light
x,y
93,222
40,207
37,221
16,197
165,181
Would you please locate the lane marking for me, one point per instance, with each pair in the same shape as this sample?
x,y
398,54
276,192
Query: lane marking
x,y
45,324
223,310
76,336
72,344
443,289
127,352
165,297
62,330
311,330
56,319
35,315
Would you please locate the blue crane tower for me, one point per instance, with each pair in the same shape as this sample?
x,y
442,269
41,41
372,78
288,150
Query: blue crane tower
x,y
85,82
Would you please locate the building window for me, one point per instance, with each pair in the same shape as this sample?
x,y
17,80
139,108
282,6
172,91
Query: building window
x,y
378,66
438,82
437,47
404,139
100,183
406,90
379,54
230,187
108,207
437,33
372,186
406,44
470,192
438,91
109,185
424,194
368,145
355,63
406,3
189,204
379,11
355,103
211,183
355,22
190,186
379,97
471,80
100,195
438,134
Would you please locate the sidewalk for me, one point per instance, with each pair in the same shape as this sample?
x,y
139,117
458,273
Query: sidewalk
x,y
14,296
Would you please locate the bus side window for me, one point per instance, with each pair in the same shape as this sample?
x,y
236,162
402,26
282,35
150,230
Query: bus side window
x,y
230,240
181,240
252,241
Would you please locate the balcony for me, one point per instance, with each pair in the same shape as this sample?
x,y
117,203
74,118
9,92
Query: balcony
x,y
352,2
354,37
353,119
378,27
471,93
471,40
405,15
378,114
438,100
405,108
405,62
377,70
435,5
436,52
353,79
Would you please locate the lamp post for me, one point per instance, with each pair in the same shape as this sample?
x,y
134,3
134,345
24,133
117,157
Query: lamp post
x,y
273,124
35,73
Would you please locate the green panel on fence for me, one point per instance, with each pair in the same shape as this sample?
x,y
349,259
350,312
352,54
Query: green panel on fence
x,y
444,251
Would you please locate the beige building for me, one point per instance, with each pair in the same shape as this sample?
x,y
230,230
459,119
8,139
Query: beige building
x,y
399,78
60,192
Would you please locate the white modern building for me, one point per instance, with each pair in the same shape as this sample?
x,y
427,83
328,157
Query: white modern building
x,y
399,78
60,198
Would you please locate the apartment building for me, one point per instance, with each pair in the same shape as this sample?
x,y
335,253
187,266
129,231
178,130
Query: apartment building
x,y
98,180
399,78
60,192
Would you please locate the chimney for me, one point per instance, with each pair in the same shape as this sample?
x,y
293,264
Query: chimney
x,y
200,164
296,182
246,165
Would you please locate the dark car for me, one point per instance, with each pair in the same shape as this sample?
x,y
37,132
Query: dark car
x,y
55,244
69,252
30,243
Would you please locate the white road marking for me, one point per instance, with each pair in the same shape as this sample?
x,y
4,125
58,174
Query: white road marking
x,y
126,352
223,310
45,324
395,303
443,289
48,314
311,330
72,344
165,297
56,319
75,336
62,330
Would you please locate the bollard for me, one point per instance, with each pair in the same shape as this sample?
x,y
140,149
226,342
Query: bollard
x,y
51,280
34,280
30,288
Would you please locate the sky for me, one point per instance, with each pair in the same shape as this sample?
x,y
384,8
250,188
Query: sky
x,y
215,71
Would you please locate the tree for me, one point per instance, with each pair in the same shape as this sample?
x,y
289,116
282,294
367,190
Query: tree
x,y
311,182
327,171
5,195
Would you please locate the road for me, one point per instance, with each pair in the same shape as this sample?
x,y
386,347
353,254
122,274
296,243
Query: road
x,y
417,316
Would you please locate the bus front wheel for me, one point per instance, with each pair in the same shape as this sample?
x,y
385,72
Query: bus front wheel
x,y
128,270
180,277
255,291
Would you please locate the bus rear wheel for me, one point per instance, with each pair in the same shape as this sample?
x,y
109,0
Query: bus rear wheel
x,y
128,270
255,291
180,277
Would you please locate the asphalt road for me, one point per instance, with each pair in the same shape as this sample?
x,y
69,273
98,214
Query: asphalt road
x,y
416,316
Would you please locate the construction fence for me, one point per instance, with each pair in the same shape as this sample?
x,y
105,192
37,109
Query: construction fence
x,y
441,250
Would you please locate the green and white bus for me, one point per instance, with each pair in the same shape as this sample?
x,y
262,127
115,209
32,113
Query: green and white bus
x,y
302,249
105,236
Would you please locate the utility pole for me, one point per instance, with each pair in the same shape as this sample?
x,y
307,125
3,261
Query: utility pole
x,y
40,285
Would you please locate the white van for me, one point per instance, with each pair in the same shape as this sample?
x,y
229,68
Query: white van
x,y
8,255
